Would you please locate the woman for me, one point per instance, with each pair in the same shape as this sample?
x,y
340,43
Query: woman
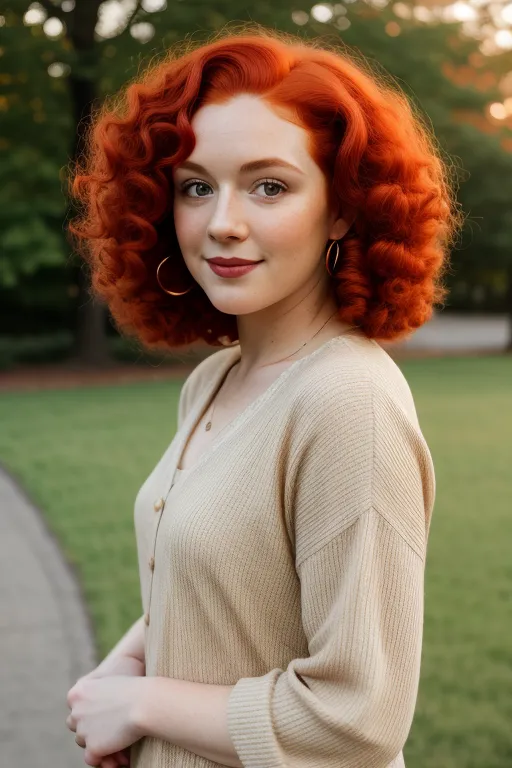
x,y
282,536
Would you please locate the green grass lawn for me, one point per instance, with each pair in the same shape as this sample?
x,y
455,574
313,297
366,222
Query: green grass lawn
x,y
83,454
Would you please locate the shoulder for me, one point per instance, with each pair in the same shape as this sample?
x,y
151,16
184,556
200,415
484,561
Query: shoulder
x,y
206,368
199,378
356,440
357,399
353,378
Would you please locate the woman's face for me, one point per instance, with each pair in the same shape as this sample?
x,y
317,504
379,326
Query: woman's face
x,y
272,214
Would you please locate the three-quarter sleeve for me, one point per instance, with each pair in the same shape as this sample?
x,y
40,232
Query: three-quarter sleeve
x,y
362,496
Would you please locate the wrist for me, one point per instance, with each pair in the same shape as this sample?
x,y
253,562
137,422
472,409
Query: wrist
x,y
121,664
156,713
145,706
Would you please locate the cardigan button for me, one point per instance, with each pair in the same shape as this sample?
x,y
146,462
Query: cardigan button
x,y
158,504
146,619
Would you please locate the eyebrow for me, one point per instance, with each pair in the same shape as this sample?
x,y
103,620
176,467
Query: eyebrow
x,y
255,165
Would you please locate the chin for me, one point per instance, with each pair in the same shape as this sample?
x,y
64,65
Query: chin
x,y
232,305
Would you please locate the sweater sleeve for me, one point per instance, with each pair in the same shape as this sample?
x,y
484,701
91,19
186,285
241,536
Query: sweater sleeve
x,y
361,541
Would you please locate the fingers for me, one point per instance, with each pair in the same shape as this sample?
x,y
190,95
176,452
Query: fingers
x,y
117,759
80,741
109,762
91,759
70,722
123,757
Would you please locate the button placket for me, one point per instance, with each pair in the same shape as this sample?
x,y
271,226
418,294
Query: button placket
x,y
158,506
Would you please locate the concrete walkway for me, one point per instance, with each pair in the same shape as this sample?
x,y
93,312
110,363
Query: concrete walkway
x,y
46,642
449,333
45,639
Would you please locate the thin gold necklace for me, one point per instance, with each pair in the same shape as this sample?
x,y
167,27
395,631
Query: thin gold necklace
x,y
209,423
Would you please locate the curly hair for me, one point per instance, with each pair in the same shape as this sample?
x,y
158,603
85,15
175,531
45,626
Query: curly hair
x,y
379,157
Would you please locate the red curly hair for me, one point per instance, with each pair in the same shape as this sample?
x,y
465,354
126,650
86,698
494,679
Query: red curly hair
x,y
379,158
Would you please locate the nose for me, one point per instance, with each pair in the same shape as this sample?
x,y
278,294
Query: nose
x,y
226,221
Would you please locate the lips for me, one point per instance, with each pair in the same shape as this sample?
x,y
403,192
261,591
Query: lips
x,y
228,270
232,262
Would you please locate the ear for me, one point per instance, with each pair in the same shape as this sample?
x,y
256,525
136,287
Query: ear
x,y
340,226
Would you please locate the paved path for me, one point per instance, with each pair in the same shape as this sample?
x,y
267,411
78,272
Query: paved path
x,y
45,639
45,636
456,332
446,334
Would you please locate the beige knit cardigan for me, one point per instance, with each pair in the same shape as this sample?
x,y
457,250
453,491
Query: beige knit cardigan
x,y
289,561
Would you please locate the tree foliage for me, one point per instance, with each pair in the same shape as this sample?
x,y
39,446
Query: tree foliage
x,y
442,70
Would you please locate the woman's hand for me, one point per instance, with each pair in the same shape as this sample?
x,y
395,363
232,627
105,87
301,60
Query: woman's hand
x,y
104,716
122,665
117,760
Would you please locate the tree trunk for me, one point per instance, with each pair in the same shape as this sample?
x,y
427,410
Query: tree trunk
x,y
91,343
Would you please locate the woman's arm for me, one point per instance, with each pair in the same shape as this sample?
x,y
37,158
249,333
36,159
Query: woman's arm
x,y
128,656
190,715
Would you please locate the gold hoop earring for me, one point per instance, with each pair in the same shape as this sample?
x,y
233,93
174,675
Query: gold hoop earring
x,y
172,293
334,242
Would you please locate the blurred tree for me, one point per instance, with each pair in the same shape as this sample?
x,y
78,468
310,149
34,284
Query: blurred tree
x,y
59,57
453,85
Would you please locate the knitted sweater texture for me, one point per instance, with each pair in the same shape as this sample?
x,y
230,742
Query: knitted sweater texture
x,y
289,561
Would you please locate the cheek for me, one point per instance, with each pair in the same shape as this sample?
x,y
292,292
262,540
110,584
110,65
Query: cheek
x,y
182,224
281,233
189,230
292,236
294,224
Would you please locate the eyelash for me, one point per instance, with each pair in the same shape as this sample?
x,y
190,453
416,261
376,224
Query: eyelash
x,y
276,183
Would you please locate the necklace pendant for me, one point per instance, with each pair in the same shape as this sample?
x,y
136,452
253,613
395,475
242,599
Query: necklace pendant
x,y
208,426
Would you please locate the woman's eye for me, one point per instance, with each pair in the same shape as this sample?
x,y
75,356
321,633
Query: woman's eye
x,y
272,183
191,184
